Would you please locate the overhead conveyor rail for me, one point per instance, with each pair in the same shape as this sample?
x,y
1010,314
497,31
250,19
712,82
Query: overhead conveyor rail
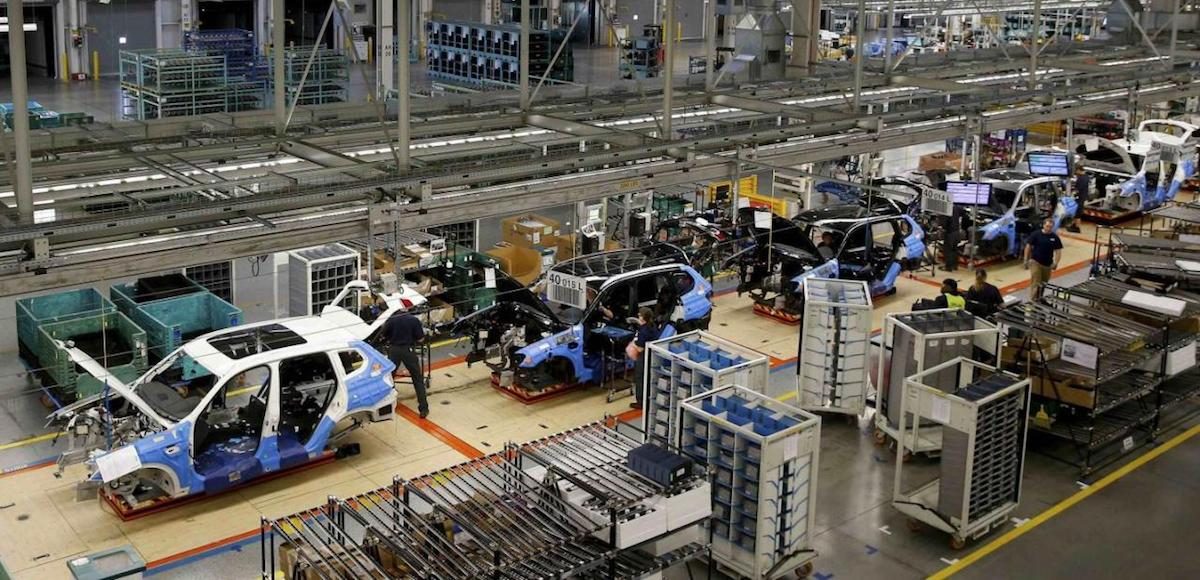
x,y
335,203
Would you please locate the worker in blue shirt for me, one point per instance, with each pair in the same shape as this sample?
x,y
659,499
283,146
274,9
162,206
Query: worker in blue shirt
x,y
647,332
1043,249
404,334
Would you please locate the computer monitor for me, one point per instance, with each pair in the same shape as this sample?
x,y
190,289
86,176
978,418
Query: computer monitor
x,y
1044,163
969,192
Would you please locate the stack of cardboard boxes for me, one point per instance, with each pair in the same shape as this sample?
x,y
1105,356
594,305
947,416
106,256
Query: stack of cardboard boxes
x,y
530,244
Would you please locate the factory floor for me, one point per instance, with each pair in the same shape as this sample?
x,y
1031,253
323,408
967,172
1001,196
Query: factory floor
x,y
858,533
594,67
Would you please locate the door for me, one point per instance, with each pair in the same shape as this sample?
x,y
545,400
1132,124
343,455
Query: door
x,y
308,385
228,431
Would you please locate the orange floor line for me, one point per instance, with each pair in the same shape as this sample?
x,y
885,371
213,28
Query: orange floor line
x,y
201,549
439,433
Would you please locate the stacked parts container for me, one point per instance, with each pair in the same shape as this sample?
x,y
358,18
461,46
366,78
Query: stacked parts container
x,y
913,342
763,454
983,451
217,277
88,318
690,364
832,374
317,275
173,309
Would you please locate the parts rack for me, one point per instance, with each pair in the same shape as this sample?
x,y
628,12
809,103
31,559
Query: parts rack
x,y
690,364
913,342
983,453
552,508
832,373
764,454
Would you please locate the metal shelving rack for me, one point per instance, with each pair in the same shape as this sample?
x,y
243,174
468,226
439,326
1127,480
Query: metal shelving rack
x,y
983,454
217,277
477,54
328,78
913,342
832,373
691,364
547,509
317,275
1092,409
159,83
765,457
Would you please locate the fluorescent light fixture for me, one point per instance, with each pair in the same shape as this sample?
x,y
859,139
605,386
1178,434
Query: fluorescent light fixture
x,y
28,26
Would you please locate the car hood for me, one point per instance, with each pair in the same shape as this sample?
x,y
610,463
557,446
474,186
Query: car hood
x,y
100,373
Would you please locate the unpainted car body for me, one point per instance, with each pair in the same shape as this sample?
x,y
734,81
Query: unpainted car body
x,y
1124,182
233,405
546,345
1020,203
872,245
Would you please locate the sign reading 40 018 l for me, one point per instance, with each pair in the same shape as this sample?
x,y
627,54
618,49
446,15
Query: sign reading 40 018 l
x,y
566,289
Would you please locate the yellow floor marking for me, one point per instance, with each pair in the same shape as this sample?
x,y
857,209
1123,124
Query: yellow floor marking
x,y
1063,505
29,441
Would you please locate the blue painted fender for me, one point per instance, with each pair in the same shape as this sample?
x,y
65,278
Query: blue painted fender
x,y
368,390
169,451
1005,225
558,346
914,243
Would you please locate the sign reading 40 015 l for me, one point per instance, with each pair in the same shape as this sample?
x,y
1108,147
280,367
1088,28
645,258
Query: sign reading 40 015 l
x,y
566,289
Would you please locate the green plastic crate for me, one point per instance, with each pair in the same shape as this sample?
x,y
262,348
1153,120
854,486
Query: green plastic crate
x,y
126,355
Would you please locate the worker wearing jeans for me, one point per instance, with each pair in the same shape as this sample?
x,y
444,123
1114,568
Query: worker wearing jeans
x,y
1043,249
404,334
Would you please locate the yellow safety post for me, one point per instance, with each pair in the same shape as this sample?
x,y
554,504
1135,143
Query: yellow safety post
x,y
678,32
64,71
95,65
370,50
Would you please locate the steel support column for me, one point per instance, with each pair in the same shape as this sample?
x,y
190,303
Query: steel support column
x,y
668,76
524,62
1174,32
22,166
806,32
404,32
385,71
710,43
277,42
1034,49
887,50
860,24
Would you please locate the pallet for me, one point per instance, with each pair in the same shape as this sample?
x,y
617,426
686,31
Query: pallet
x,y
777,314
527,397
129,513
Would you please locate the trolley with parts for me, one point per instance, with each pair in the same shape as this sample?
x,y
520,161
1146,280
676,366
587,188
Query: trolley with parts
x,y
983,448
913,342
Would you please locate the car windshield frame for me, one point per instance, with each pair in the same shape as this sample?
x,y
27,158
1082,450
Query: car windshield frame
x,y
174,399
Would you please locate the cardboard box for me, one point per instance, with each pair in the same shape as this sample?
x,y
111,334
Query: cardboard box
x,y
522,263
1064,391
440,312
425,284
383,263
529,230
946,161
1008,352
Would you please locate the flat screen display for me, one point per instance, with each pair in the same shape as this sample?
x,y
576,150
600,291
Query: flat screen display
x,y
969,192
1048,164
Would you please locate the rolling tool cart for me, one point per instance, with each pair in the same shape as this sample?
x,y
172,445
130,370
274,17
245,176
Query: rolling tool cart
x,y
690,364
913,342
764,454
983,419
832,375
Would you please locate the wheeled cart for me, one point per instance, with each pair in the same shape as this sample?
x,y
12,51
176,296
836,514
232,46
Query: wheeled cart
x,y
913,342
983,420
762,455
832,375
